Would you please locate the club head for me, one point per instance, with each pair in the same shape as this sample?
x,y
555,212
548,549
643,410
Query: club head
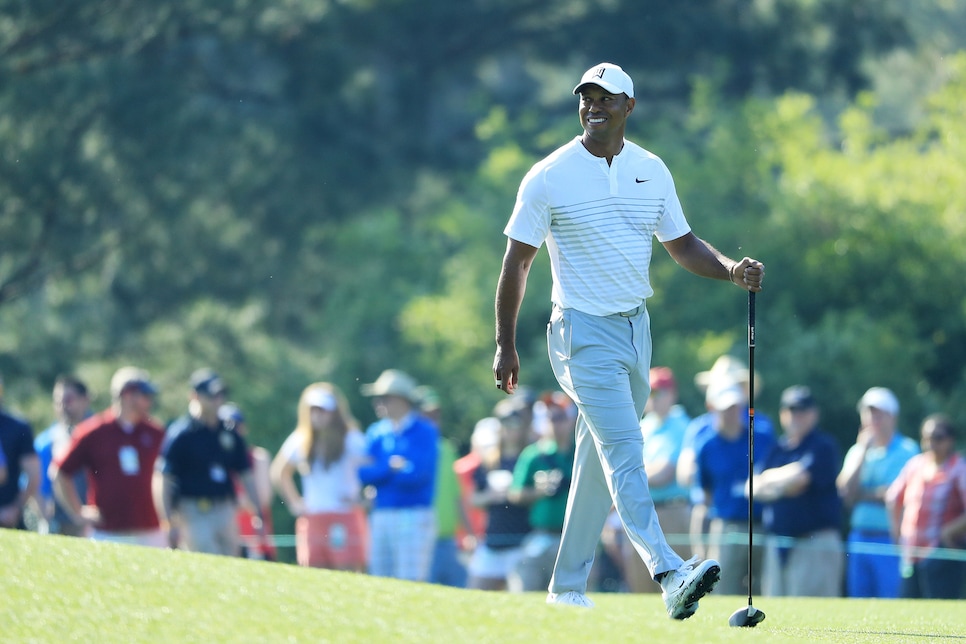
x,y
746,617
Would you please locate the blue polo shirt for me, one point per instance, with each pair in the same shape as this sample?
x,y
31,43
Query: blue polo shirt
x,y
722,468
819,506
52,439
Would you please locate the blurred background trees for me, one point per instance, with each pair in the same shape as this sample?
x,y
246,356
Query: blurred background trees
x,y
311,189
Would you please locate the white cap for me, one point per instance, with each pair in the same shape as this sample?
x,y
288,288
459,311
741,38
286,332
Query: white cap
x,y
609,76
486,433
321,398
724,395
880,398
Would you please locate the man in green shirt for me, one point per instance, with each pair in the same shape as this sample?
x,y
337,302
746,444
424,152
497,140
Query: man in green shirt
x,y
541,479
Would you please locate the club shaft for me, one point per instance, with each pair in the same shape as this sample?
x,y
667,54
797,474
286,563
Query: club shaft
x,y
751,437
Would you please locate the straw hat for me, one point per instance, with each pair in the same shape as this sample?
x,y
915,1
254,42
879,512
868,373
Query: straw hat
x,y
392,382
726,368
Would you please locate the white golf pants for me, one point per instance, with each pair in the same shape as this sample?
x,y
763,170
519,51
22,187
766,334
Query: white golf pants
x,y
602,363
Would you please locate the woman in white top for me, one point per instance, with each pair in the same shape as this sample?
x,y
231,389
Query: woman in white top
x,y
326,450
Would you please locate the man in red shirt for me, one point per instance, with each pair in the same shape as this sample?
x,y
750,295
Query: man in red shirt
x,y
118,448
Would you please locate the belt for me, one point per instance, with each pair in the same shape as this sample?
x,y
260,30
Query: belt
x,y
633,312
668,503
204,503
871,533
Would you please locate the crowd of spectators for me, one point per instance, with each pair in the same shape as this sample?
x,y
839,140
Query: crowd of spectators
x,y
397,499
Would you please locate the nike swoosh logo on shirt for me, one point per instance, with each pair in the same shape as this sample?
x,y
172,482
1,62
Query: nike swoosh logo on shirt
x,y
641,180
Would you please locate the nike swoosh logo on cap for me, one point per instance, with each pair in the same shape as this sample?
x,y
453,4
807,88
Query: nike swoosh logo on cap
x,y
641,180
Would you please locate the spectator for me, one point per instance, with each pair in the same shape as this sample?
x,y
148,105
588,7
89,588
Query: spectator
x,y
72,404
928,511
118,448
17,444
870,466
254,523
403,448
664,425
446,569
803,554
726,369
541,480
520,405
729,368
507,523
202,455
722,472
326,449
484,439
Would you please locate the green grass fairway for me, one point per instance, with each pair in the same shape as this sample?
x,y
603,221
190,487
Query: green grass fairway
x,y
57,589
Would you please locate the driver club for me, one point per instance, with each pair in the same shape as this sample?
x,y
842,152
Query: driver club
x,y
750,616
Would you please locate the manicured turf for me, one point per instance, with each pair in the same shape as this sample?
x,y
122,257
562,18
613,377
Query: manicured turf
x,y
56,589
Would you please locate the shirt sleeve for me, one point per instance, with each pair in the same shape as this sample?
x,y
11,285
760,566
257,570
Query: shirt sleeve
x,y
72,459
896,491
673,224
522,470
530,221
172,456
241,456
290,450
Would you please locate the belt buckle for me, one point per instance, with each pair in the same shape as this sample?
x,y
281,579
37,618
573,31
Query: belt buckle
x,y
204,505
631,313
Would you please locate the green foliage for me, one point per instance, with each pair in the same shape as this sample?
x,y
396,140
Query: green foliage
x,y
307,190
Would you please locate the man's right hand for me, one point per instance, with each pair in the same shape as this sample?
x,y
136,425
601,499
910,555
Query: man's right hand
x,y
9,516
174,537
506,369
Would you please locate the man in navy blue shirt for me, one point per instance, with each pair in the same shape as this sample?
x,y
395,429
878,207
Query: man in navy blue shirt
x,y
804,556
17,442
201,456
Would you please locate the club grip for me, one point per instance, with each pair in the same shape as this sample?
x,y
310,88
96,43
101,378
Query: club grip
x,y
751,318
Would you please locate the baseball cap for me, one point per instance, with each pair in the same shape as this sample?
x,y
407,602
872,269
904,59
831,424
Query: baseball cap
x,y
662,378
428,398
797,397
724,395
127,378
486,433
880,398
208,383
609,76
321,398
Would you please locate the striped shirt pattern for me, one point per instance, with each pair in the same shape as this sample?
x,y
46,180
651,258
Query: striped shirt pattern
x,y
929,499
597,221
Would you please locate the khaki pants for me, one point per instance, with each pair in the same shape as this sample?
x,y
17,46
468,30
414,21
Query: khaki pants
x,y
209,526
728,544
674,518
150,538
534,567
810,566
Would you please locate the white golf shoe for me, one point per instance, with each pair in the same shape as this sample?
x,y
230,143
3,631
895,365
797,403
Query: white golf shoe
x,y
682,588
570,598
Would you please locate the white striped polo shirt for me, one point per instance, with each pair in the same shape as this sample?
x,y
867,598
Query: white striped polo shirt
x,y
597,221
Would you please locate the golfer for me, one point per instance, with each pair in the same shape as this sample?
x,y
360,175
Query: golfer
x,y
596,201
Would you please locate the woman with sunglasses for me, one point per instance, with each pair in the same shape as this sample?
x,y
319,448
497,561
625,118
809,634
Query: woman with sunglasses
x,y
927,504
